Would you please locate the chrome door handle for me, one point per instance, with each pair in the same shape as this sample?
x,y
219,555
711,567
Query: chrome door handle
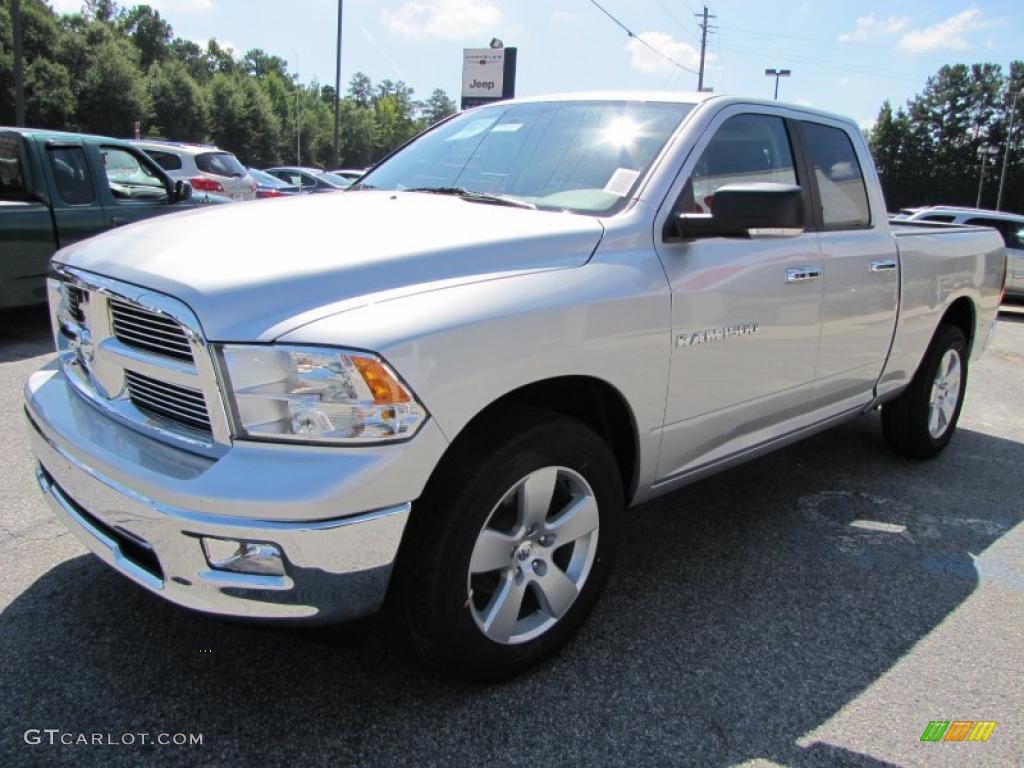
x,y
802,274
883,265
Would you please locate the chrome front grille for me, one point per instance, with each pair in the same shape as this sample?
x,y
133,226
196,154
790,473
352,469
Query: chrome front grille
x,y
150,331
140,357
179,404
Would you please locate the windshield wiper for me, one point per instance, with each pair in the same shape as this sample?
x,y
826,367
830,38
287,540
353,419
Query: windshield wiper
x,y
475,197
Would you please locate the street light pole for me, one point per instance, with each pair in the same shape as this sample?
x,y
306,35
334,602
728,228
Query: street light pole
x,y
777,73
986,152
337,85
1006,153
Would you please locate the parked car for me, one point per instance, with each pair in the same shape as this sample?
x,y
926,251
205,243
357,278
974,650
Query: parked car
x,y
350,174
57,188
526,329
1009,225
271,186
310,179
206,168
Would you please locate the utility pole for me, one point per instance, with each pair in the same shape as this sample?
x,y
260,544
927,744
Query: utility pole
x,y
337,85
19,65
298,114
704,29
1006,153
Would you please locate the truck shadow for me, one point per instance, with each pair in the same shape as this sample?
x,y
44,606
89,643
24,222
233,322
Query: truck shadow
x,y
746,612
24,333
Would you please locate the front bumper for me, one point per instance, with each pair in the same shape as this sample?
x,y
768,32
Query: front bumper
x,y
121,494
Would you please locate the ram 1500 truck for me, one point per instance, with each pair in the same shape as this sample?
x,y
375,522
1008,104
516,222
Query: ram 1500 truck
x,y
542,313
57,188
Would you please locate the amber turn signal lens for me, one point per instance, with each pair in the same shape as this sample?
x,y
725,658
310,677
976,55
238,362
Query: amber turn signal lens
x,y
385,389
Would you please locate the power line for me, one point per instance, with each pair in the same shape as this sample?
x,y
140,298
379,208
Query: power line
x,y
640,40
675,18
820,63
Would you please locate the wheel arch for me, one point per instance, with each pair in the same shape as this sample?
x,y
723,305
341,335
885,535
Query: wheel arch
x,y
589,399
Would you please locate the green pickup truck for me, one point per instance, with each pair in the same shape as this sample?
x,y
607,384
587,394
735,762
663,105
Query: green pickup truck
x,y
57,188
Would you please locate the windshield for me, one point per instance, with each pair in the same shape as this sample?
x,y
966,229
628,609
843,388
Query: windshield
x,y
579,156
336,180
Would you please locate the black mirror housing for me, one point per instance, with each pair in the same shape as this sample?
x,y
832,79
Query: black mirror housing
x,y
182,191
777,209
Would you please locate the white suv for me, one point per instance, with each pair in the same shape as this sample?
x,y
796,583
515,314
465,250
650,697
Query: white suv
x,y
206,168
1009,225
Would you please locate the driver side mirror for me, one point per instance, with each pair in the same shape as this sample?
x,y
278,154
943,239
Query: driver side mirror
x,y
757,209
182,191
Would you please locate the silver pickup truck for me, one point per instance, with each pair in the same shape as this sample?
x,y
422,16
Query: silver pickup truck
x,y
447,385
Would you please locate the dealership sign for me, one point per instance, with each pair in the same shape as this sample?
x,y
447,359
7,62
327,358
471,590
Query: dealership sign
x,y
488,74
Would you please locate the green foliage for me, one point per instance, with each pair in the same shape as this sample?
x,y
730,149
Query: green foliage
x,y
929,152
106,67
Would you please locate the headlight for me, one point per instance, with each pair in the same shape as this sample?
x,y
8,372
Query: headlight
x,y
318,394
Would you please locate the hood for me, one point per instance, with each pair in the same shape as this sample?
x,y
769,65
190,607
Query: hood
x,y
253,271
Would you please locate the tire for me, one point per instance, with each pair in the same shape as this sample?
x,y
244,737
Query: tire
x,y
458,584
911,424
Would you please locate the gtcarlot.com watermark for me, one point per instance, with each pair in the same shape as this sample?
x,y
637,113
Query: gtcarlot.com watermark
x,y
57,737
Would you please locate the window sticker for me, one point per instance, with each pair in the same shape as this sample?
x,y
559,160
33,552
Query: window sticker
x,y
621,182
475,128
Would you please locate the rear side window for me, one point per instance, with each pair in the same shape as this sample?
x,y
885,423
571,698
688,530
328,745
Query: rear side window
x,y
1012,232
12,179
747,148
938,217
166,160
844,198
220,164
71,174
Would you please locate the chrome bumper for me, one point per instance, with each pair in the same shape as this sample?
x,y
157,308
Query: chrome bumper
x,y
334,569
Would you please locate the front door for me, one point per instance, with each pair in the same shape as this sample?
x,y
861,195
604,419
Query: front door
x,y
746,313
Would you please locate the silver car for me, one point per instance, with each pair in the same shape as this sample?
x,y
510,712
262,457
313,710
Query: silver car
x,y
208,169
1009,225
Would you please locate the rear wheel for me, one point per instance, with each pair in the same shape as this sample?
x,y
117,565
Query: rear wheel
x,y
922,420
509,549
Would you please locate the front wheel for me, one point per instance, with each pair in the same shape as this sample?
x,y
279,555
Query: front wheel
x,y
921,421
512,544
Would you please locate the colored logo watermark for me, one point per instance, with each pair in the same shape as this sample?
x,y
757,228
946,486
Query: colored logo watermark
x,y
958,730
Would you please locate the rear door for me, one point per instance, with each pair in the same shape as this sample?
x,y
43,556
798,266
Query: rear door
x,y
26,228
746,313
861,267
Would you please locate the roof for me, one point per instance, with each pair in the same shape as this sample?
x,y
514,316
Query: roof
x,y
299,168
674,97
47,134
965,209
192,149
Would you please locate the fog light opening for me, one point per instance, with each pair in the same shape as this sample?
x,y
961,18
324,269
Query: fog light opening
x,y
258,558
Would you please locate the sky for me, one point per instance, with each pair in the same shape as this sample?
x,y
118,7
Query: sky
x,y
845,57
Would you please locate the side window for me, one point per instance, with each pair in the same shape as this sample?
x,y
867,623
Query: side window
x,y
166,160
71,173
844,198
938,217
130,179
747,148
12,180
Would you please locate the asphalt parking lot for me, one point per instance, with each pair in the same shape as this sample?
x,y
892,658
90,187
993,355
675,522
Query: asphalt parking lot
x,y
749,624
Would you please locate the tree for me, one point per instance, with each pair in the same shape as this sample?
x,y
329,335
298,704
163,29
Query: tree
x,y
179,105
360,89
150,33
113,95
436,108
49,97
